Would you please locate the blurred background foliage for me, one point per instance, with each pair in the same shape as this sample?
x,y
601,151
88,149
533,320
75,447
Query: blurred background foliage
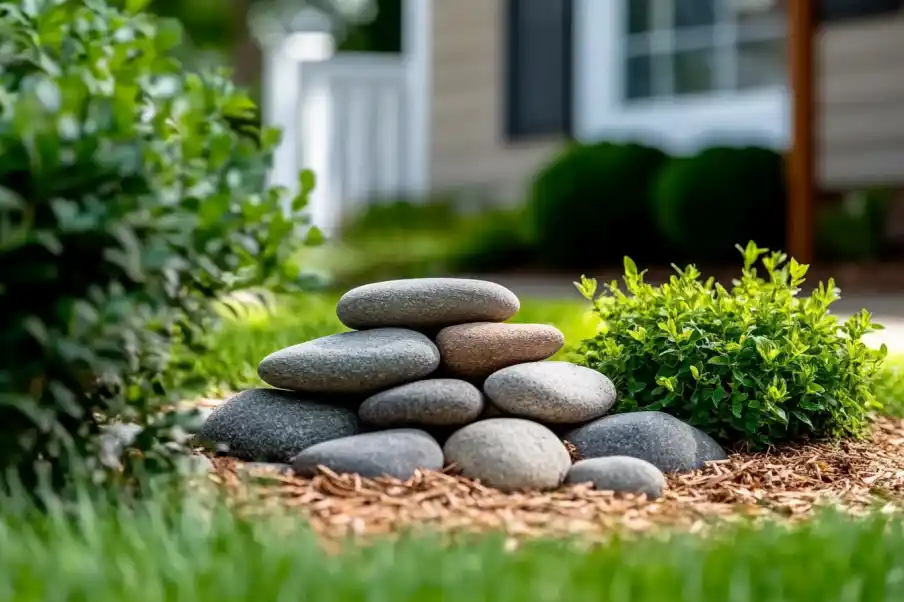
x,y
219,32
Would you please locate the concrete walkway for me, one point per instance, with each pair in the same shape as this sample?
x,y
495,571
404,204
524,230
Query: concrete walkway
x,y
887,310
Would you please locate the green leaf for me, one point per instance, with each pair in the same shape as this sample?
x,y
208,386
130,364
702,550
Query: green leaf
x,y
136,6
314,237
307,181
630,267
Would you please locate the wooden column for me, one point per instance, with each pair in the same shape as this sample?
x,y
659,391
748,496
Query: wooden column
x,y
801,170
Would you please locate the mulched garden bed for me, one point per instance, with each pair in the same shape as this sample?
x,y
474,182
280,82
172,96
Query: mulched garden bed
x,y
789,483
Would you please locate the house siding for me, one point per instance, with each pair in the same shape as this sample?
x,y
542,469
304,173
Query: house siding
x,y
860,92
468,146
860,132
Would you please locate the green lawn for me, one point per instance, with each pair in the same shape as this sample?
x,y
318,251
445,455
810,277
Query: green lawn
x,y
174,553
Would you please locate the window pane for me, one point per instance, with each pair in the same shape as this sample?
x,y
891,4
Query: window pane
x,y
639,77
639,15
695,71
539,59
693,13
758,21
762,63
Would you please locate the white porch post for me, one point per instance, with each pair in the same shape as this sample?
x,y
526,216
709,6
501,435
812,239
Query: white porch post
x,y
417,49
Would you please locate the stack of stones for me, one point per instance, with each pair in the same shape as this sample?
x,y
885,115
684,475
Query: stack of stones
x,y
430,376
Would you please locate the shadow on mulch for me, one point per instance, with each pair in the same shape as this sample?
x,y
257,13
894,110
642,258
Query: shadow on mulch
x,y
788,484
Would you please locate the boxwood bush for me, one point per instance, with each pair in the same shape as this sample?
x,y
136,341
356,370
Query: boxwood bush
x,y
755,364
720,197
592,203
131,194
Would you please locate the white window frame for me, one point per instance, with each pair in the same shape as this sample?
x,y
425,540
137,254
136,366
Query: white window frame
x,y
680,124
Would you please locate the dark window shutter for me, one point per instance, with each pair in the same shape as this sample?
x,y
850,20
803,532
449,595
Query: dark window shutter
x,y
539,66
842,10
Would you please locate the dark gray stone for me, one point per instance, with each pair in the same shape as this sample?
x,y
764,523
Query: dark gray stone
x,y
552,392
621,474
432,402
659,438
395,453
352,362
509,454
426,303
270,425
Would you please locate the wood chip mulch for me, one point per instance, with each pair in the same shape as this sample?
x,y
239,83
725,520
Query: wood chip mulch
x,y
787,484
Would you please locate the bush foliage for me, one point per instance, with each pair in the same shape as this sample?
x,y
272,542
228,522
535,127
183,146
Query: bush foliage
x,y
720,197
593,203
755,364
131,194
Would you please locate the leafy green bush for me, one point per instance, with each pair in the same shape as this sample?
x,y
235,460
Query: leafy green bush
x,y
853,229
721,197
493,241
592,204
755,364
131,194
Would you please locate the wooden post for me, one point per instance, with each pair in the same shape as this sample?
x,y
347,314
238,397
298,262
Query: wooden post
x,y
801,170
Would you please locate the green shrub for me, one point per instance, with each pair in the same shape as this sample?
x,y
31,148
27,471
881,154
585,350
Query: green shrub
x,y
721,197
755,364
853,229
592,204
493,241
131,194
403,215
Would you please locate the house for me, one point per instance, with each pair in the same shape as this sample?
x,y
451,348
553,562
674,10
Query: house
x,y
487,90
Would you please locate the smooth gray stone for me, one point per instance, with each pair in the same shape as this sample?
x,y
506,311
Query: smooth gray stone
x,y
352,362
509,454
659,438
270,425
431,402
426,303
621,474
552,392
394,453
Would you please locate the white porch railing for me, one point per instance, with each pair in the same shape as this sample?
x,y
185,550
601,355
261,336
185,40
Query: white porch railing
x,y
358,120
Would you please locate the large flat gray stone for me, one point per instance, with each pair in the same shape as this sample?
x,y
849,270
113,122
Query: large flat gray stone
x,y
659,438
269,425
426,303
394,453
431,402
352,362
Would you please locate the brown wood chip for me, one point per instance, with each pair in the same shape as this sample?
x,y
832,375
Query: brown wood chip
x,y
788,483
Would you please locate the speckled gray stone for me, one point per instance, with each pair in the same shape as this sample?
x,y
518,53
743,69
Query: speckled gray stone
x,y
352,362
395,453
659,438
425,303
477,350
622,474
509,454
551,392
270,425
431,402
